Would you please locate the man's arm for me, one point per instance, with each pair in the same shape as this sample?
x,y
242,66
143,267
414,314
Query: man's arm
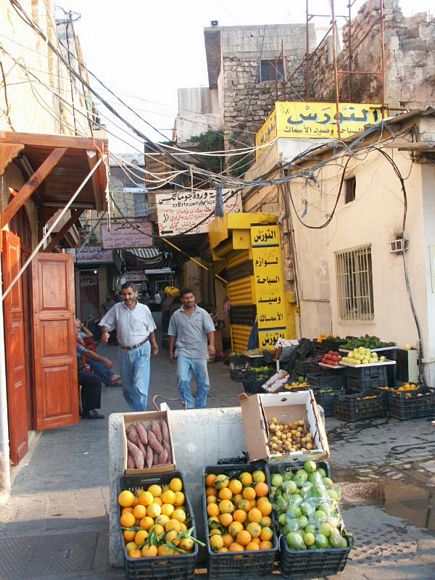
x,y
94,356
171,347
211,347
154,345
108,323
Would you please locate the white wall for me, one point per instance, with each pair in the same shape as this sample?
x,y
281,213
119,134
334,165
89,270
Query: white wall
x,y
198,112
373,218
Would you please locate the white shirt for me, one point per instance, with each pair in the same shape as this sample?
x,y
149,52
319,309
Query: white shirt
x,y
133,326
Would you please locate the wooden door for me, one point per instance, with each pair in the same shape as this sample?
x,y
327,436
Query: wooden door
x,y
55,361
15,349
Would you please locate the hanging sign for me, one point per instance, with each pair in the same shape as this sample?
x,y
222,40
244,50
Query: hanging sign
x,y
127,235
268,283
179,212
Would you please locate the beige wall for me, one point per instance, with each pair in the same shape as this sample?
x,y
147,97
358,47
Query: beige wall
x,y
34,104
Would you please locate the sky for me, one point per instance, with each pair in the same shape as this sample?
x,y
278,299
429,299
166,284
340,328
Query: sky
x,y
145,50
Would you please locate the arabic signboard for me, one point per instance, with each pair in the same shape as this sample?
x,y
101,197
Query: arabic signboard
x,y
93,255
180,212
136,276
269,284
127,235
316,121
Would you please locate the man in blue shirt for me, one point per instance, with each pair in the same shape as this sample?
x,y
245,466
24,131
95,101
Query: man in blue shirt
x,y
191,342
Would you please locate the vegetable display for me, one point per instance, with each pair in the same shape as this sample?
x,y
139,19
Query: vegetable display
x,y
306,504
148,446
366,341
289,437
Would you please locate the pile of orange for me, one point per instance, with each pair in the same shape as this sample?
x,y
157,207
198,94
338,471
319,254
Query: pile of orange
x,y
239,512
154,521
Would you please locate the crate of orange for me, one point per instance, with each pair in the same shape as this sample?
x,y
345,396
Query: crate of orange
x,y
238,521
157,525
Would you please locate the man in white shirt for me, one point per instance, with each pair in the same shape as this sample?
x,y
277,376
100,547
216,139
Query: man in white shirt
x,y
135,334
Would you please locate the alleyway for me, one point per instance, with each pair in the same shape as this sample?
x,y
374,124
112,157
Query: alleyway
x,y
55,524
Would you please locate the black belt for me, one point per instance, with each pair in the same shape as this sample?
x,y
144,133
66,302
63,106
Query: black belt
x,y
133,346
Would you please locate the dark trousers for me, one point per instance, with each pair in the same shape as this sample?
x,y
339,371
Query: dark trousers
x,y
91,391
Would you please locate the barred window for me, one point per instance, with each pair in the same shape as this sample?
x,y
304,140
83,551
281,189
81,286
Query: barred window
x,y
271,70
355,283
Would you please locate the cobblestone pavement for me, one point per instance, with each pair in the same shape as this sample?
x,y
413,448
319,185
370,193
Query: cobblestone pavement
x,y
55,525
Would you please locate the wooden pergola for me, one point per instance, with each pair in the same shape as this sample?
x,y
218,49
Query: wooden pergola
x,y
55,166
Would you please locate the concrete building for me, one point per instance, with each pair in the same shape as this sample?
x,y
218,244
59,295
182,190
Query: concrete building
x,y
358,227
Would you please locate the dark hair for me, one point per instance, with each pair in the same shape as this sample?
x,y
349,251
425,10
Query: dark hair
x,y
186,291
128,285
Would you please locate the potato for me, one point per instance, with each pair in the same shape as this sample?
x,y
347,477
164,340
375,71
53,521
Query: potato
x,y
153,442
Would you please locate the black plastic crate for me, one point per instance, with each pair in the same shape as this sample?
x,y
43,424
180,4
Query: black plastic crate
x,y
357,407
366,377
181,567
304,348
414,407
326,399
308,366
248,564
253,381
308,563
334,379
313,563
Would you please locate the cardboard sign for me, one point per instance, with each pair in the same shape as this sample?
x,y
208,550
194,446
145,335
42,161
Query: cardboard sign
x,y
124,235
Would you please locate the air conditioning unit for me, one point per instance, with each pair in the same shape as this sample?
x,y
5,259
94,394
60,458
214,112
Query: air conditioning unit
x,y
399,245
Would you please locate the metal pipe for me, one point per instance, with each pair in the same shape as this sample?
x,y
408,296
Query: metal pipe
x,y
5,470
383,78
307,51
334,56
349,41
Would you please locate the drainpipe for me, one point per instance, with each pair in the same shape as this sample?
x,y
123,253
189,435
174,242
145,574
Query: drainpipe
x,y
5,471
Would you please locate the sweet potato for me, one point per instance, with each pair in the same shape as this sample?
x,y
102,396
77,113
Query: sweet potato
x,y
165,430
149,456
167,447
155,428
138,456
155,458
142,447
142,433
152,440
163,457
130,461
132,434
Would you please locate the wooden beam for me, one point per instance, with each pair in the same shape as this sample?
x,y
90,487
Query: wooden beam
x,y
97,185
53,141
75,214
7,153
34,182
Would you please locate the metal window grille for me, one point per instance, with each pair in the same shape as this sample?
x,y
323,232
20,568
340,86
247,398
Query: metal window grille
x,y
355,283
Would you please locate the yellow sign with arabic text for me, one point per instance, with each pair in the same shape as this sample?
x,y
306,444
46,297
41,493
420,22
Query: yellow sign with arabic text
x,y
268,279
316,121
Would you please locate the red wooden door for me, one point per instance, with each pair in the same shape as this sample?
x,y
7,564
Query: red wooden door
x,y
15,349
54,345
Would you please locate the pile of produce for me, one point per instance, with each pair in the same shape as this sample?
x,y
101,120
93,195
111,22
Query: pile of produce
x,y
300,383
408,390
331,358
362,356
306,505
155,522
148,446
327,337
239,512
367,342
289,437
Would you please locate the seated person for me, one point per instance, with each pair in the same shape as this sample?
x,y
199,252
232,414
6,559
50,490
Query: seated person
x,y
98,364
90,395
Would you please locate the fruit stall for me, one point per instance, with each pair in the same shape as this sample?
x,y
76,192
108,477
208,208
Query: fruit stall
x,y
187,501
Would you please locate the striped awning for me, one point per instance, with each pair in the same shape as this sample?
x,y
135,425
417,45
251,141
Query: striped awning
x,y
145,253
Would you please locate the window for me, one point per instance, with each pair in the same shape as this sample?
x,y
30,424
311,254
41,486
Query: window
x,y
271,70
355,284
350,189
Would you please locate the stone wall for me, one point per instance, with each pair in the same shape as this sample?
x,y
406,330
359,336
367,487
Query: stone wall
x,y
409,55
247,101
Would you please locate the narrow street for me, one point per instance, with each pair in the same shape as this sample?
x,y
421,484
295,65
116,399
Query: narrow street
x,y
55,525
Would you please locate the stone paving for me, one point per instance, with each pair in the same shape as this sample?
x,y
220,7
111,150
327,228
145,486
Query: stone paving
x,y
55,525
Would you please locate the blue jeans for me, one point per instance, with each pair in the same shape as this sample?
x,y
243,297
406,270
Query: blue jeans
x,y
135,371
102,372
186,367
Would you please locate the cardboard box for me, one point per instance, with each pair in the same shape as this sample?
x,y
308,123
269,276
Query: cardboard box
x,y
257,412
145,419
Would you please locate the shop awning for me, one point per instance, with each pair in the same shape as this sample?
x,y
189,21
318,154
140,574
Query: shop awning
x,y
55,167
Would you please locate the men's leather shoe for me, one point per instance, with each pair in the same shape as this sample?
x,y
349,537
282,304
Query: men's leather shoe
x,y
93,414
